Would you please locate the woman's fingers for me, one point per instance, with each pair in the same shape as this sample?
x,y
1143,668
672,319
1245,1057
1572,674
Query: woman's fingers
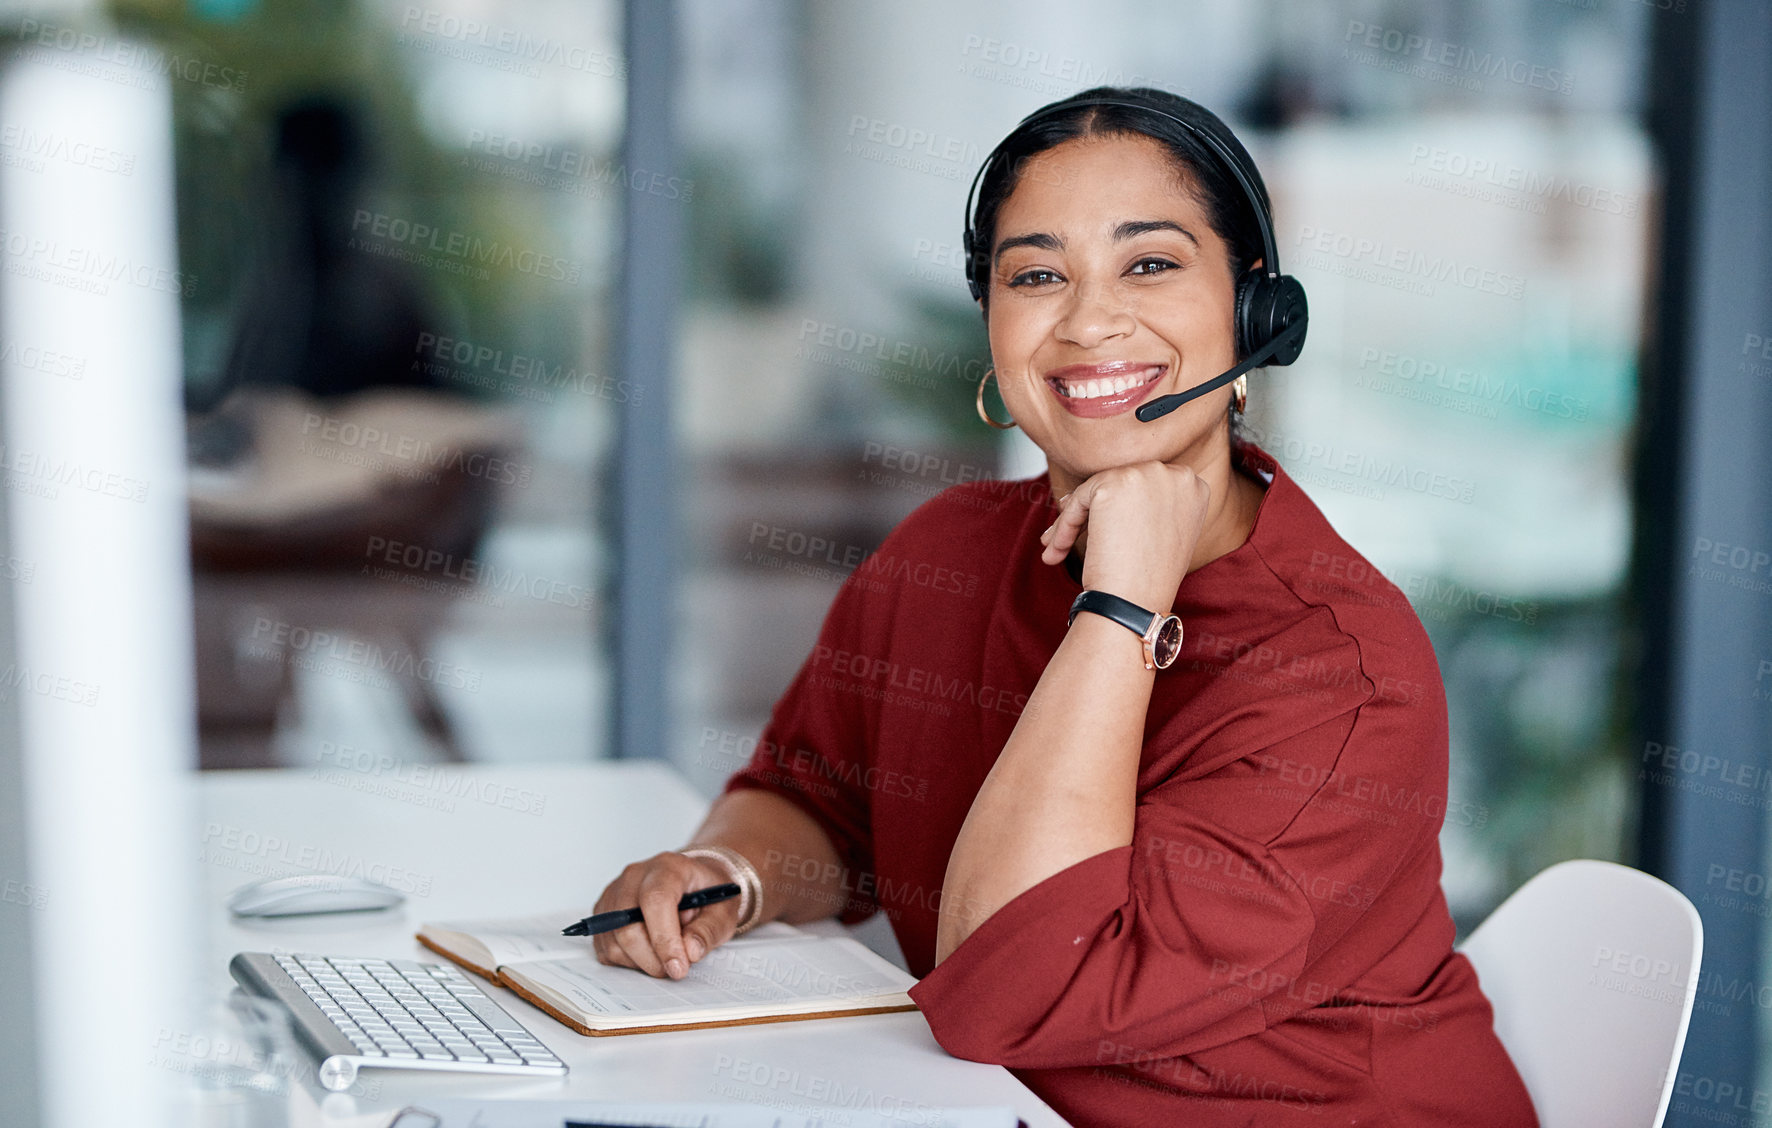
x,y
712,927
618,894
1073,514
659,895
669,939
636,948
1143,522
634,941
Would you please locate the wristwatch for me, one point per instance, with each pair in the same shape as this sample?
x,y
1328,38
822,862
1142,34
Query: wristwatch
x,y
1161,634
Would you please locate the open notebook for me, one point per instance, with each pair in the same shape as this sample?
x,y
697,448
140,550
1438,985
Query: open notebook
x,y
774,973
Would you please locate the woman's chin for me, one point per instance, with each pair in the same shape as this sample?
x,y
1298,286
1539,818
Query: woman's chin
x,y
1078,462
1087,466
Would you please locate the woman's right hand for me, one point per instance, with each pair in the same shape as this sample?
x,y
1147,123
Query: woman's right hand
x,y
670,939
1144,520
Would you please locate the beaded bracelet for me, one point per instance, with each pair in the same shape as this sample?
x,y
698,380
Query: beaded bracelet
x,y
750,884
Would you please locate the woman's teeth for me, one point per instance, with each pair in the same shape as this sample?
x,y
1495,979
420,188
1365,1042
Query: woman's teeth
x,y
1096,389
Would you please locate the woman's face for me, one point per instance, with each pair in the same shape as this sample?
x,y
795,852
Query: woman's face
x,y
1109,288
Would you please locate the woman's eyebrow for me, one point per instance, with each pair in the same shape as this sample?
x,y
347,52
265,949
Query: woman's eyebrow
x,y
1038,239
1135,227
1127,230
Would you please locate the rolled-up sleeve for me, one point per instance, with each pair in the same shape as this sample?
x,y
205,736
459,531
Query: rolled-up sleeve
x,y
1188,938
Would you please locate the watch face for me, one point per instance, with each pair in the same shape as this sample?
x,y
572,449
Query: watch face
x,y
1168,642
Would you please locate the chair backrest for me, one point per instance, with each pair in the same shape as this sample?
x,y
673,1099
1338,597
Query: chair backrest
x,y
1592,969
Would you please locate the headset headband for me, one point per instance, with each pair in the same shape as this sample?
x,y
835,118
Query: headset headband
x,y
1228,159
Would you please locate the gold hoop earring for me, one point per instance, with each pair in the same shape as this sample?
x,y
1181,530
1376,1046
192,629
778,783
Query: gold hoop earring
x,y
982,413
1240,393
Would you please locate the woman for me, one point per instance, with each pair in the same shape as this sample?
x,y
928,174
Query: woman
x,y
1203,895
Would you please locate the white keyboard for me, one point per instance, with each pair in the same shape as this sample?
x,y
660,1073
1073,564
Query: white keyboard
x,y
393,1014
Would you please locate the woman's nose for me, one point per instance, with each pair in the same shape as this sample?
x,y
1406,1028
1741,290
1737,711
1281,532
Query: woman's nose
x,y
1096,312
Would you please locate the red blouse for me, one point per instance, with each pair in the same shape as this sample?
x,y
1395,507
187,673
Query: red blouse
x,y
1273,947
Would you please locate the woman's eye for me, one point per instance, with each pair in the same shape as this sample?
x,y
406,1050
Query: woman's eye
x,y
1035,277
1152,266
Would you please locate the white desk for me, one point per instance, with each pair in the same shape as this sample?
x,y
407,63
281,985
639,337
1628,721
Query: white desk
x,y
564,833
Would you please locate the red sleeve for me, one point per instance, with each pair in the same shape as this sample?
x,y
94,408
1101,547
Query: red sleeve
x,y
815,749
1193,935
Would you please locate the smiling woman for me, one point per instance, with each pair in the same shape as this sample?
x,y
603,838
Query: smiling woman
x,y
1193,877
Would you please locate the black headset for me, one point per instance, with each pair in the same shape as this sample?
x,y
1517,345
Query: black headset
x,y
1271,315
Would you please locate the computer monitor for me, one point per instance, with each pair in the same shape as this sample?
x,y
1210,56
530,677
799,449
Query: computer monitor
x,y
97,859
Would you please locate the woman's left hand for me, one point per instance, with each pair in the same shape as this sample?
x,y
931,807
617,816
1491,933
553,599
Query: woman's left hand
x,y
1144,521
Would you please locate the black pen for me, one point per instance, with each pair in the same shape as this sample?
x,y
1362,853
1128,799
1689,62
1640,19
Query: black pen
x,y
618,918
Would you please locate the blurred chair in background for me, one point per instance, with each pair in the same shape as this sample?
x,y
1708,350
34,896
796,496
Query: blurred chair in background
x,y
332,455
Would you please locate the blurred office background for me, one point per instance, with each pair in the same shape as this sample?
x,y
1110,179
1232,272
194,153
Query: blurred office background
x,y
466,163
434,304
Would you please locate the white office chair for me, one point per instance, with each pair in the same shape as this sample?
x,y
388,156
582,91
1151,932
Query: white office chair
x,y
1592,968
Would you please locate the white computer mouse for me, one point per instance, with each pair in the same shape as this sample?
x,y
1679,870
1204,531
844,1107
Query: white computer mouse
x,y
311,893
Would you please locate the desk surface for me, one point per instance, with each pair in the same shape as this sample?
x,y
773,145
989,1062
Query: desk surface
x,y
477,842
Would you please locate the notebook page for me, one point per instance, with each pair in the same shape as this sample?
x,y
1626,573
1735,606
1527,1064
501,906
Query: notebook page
x,y
515,939
512,940
782,974
763,933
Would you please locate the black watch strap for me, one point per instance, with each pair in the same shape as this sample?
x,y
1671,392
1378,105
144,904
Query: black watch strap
x,y
1158,635
1122,611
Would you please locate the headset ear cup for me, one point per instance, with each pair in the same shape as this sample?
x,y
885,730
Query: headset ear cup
x,y
1289,308
1267,307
